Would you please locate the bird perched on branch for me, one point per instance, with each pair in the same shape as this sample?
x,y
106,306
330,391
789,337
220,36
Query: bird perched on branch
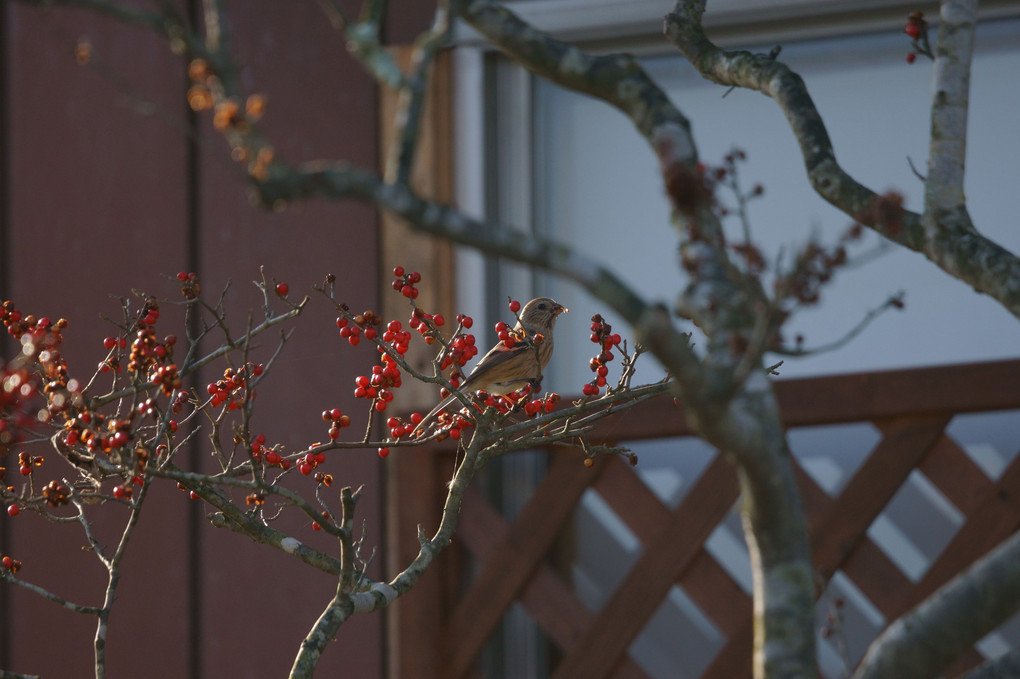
x,y
505,369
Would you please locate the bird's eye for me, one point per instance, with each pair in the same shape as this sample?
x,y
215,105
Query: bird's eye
x,y
542,306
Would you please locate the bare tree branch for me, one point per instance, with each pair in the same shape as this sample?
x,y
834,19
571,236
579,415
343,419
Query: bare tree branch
x,y
947,155
926,640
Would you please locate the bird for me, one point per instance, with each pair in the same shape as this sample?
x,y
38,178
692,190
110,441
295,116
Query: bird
x,y
506,369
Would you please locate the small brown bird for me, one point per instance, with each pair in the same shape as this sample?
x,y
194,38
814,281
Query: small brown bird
x,y
506,369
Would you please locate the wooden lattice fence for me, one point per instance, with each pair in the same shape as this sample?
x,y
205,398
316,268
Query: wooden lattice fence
x,y
440,629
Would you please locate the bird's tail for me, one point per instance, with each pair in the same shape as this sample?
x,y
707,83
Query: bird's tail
x,y
442,405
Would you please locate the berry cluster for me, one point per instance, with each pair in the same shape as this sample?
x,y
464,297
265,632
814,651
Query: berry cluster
x,y
426,324
307,463
405,282
192,494
255,499
726,175
399,428
26,462
124,490
541,405
601,334
260,452
917,28
378,388
452,425
508,337
364,323
56,493
337,421
233,388
462,347
97,432
39,367
397,337
326,518
149,356
814,267
189,284
229,114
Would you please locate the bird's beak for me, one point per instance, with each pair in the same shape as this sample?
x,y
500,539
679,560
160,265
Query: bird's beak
x,y
560,309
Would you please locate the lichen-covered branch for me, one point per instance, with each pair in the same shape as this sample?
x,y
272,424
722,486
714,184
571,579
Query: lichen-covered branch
x,y
923,642
943,189
952,243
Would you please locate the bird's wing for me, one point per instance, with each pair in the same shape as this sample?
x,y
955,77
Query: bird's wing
x,y
496,355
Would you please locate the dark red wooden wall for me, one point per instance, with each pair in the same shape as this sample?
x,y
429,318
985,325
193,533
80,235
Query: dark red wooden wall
x,y
107,184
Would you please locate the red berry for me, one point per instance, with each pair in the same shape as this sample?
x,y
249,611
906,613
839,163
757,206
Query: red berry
x,y
305,468
193,495
182,276
282,289
119,492
398,271
335,414
384,452
110,342
13,510
911,58
26,470
913,30
515,306
416,418
8,562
